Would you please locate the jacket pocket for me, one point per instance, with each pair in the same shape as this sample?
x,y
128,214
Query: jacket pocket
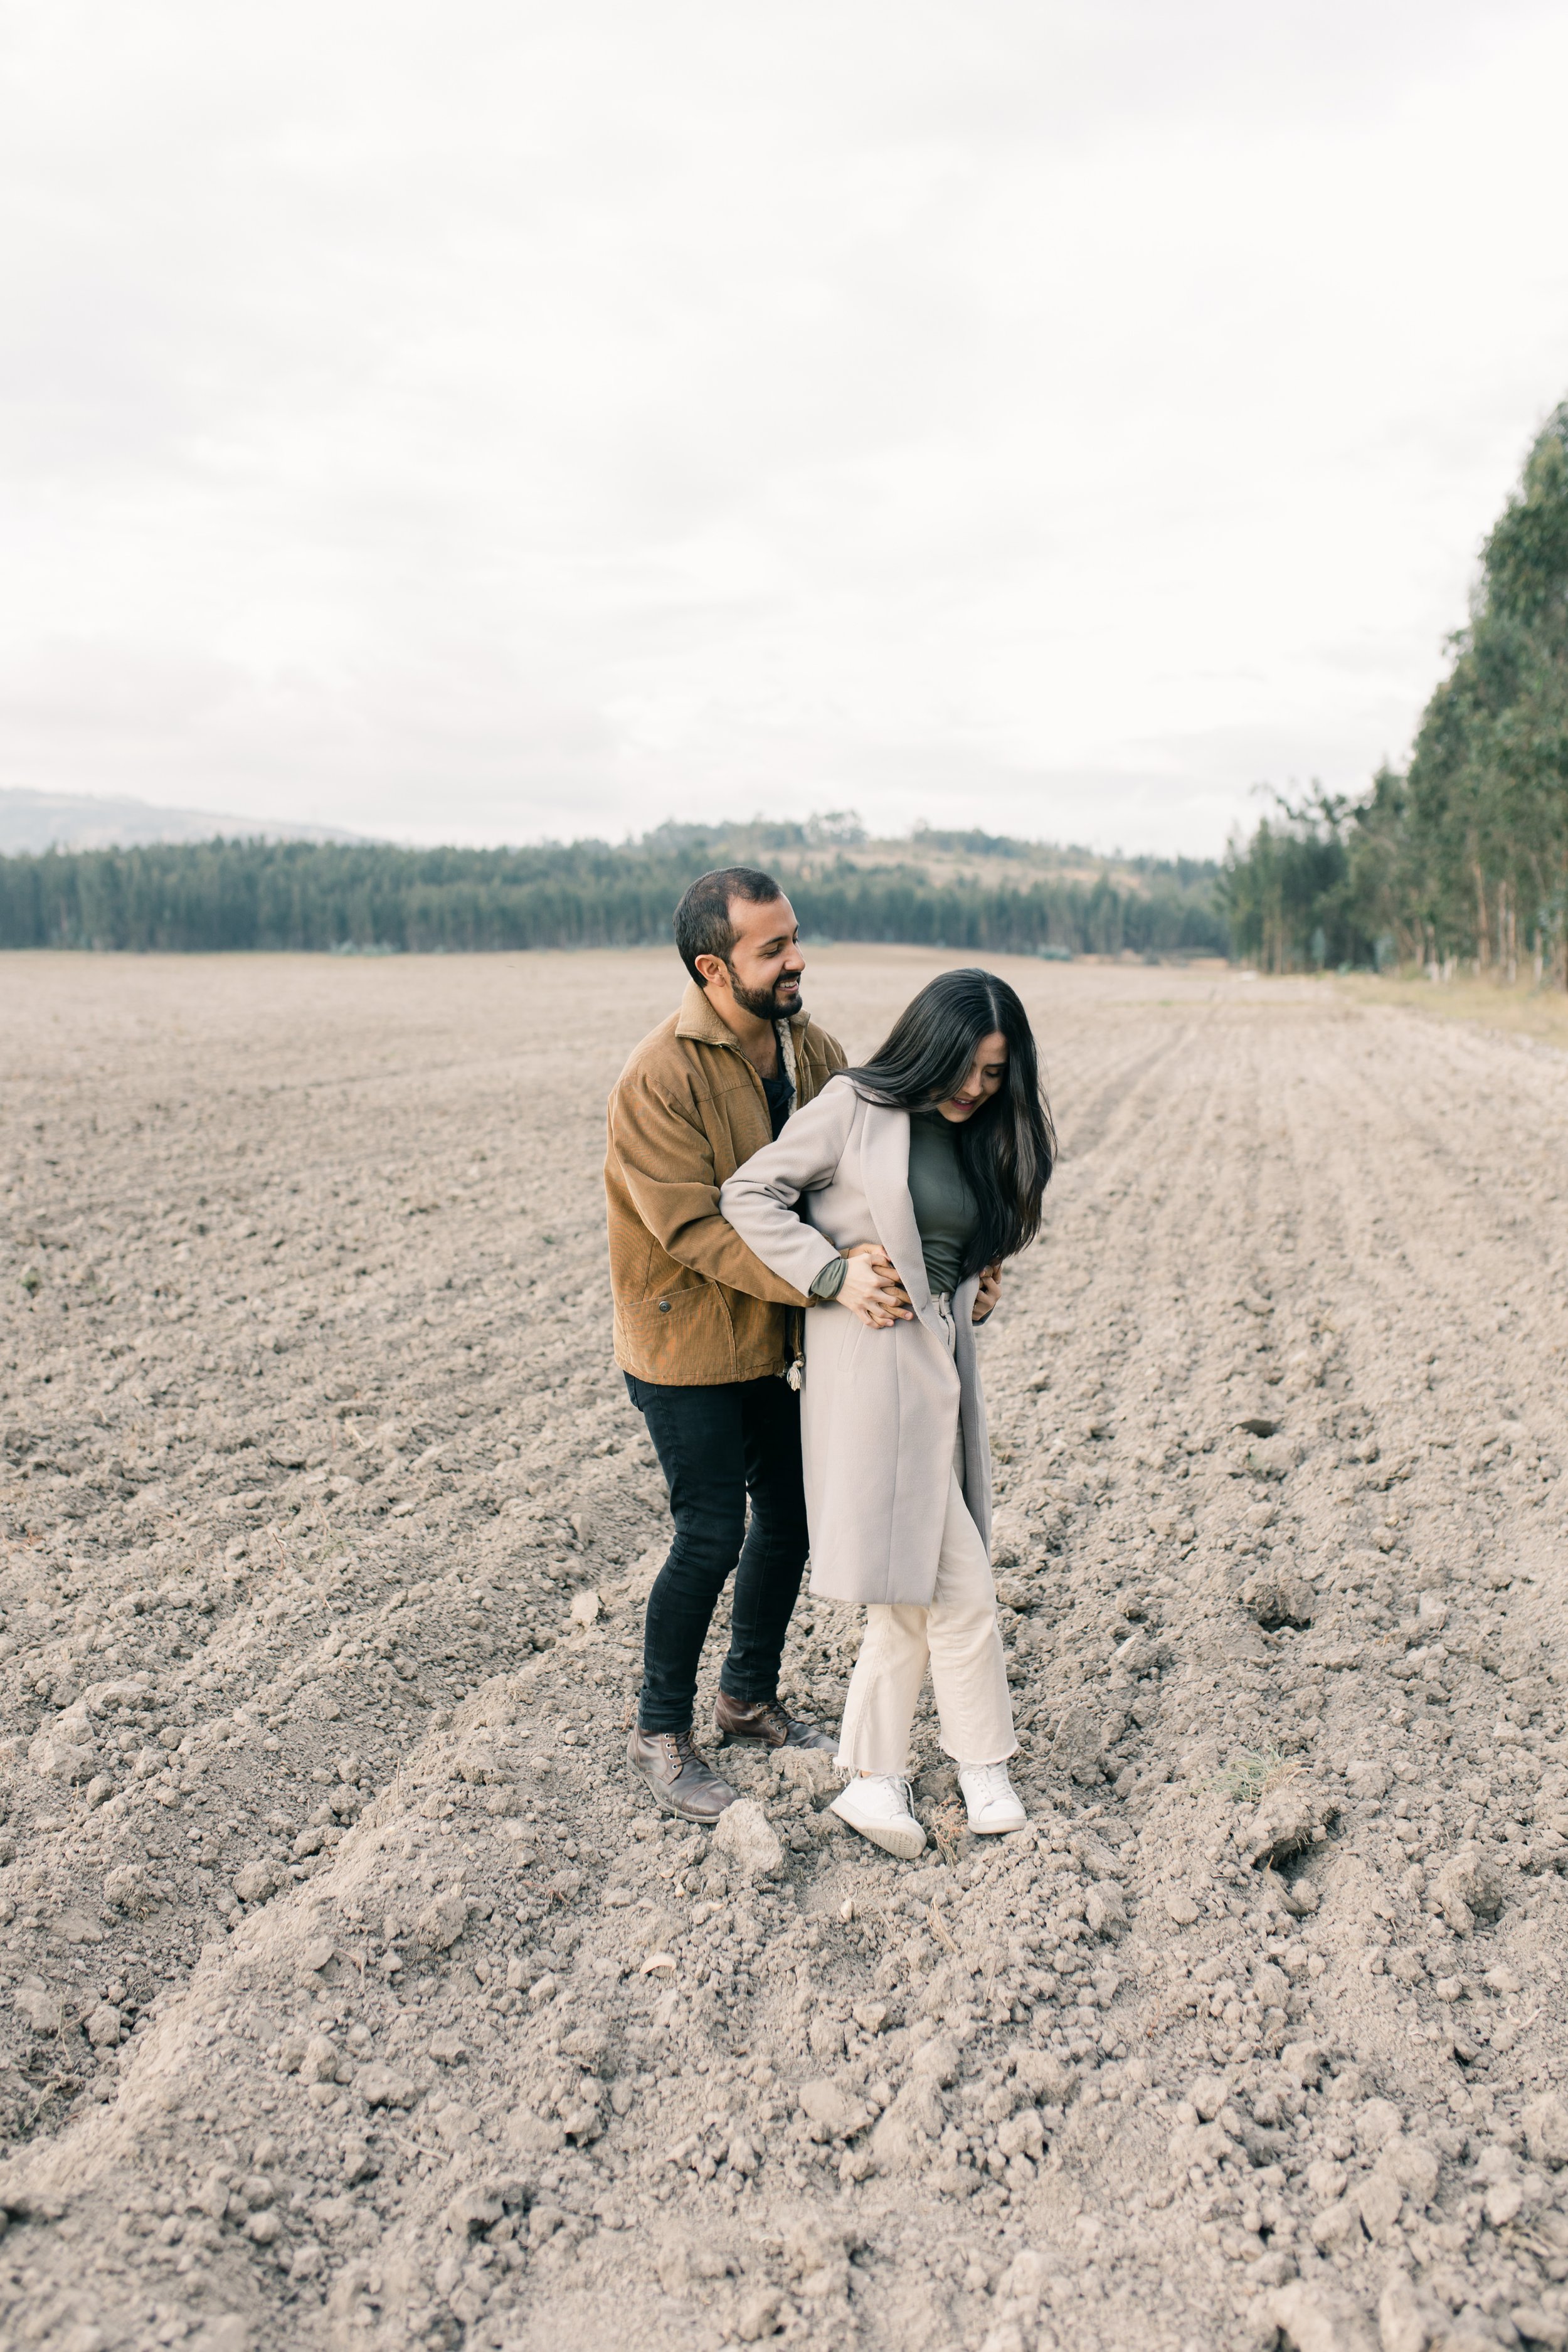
x,y
665,1321
685,1337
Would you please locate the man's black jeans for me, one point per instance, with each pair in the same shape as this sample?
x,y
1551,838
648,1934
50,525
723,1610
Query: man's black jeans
x,y
716,1446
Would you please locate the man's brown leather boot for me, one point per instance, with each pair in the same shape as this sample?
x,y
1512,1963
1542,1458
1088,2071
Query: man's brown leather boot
x,y
764,1721
680,1775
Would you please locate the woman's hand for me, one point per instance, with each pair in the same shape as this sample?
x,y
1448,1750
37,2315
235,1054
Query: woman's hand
x,y
989,1292
871,1288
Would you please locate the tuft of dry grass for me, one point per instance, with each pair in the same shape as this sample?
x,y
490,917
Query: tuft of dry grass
x,y
1252,1775
949,1825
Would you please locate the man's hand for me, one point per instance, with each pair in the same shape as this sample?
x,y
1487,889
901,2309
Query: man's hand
x,y
871,1288
989,1292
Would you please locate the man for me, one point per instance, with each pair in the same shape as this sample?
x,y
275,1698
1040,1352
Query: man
x,y
705,1333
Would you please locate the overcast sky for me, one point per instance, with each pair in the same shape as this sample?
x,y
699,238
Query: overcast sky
x,y
485,421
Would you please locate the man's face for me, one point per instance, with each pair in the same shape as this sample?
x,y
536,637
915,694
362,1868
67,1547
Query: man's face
x,y
766,963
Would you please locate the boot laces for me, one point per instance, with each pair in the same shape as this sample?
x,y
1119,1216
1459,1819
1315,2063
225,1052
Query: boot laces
x,y
762,1715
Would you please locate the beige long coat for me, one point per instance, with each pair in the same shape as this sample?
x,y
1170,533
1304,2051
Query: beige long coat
x,y
879,1409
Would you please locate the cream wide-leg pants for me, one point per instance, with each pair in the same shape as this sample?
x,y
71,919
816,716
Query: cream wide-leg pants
x,y
957,1636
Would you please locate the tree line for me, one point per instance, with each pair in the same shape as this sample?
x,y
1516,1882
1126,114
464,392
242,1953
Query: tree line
x,y
371,897
1463,858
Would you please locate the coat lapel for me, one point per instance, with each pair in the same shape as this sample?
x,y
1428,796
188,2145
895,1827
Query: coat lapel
x,y
885,1175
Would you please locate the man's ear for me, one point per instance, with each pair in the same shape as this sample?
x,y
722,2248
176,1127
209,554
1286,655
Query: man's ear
x,y
712,972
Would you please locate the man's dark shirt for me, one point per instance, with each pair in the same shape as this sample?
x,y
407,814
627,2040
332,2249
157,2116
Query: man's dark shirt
x,y
780,1101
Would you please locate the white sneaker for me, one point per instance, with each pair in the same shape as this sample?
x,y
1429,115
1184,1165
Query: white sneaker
x,y
993,1803
878,1805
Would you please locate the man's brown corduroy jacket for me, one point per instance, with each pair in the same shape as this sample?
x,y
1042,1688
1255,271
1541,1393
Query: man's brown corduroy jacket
x,y
693,1306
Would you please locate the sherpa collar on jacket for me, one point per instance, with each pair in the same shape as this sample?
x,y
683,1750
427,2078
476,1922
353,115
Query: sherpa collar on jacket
x,y
698,1019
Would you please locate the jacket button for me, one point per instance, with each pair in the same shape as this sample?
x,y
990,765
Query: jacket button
x,y
664,1306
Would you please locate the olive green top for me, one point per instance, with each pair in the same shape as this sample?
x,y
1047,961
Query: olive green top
x,y
946,1210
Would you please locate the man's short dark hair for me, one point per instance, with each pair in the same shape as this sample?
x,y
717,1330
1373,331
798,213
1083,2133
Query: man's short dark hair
x,y
702,925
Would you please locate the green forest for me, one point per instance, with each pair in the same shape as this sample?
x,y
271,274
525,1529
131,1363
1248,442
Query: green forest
x,y
370,896
1464,857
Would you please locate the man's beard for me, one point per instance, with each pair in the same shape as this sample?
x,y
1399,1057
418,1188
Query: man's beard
x,y
763,1004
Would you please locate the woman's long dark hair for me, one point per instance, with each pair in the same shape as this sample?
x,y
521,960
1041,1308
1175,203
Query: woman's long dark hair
x,y
1007,1149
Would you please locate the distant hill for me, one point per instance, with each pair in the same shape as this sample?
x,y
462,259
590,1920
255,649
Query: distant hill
x,y
33,822
970,892
968,859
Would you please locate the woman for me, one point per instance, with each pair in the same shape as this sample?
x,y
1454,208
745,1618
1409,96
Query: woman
x,y
892,1200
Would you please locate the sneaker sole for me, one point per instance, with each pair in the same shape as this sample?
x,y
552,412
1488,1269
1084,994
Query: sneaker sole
x,y
902,1844
998,1829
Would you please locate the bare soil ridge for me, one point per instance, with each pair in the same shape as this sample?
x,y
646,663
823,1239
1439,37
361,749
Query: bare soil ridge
x,y
347,1995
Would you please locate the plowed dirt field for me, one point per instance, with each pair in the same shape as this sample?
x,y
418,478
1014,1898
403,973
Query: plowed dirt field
x,y
349,1995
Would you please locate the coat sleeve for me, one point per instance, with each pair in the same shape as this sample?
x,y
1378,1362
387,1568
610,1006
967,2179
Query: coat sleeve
x,y
760,1198
666,1164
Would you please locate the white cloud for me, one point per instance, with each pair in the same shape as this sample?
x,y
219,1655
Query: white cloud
x,y
489,422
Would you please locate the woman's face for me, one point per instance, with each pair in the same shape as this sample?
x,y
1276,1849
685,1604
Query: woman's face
x,y
985,1074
